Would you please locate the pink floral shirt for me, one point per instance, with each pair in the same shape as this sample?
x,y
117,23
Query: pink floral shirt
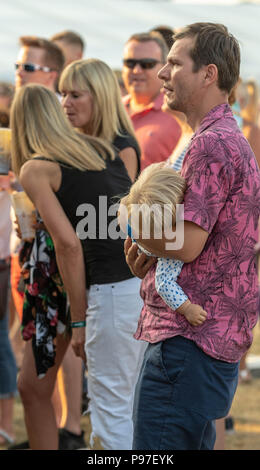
x,y
222,197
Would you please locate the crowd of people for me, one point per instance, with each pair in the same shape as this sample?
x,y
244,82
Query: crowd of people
x,y
148,334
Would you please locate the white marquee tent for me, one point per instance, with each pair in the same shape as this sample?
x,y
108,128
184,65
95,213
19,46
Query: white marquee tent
x,y
106,25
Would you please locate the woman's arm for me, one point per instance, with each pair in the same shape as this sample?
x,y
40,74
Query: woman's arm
x,y
129,157
39,179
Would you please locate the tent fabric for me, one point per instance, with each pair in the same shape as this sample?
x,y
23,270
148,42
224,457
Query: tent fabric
x,y
106,25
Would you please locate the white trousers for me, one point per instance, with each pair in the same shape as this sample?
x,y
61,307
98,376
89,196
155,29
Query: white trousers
x,y
114,359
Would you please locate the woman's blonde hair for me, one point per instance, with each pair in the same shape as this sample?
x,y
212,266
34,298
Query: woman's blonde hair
x,y
40,127
158,185
109,116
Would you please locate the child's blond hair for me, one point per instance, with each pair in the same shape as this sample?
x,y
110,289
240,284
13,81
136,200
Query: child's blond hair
x,y
158,185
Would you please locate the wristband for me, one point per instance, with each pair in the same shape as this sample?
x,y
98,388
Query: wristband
x,y
77,324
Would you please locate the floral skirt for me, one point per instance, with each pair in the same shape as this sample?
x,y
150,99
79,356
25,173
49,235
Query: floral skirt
x,y
45,309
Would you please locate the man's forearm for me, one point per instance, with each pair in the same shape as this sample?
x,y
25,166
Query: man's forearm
x,y
194,239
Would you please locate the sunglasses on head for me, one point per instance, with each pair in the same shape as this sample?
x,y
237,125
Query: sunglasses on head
x,y
32,67
144,63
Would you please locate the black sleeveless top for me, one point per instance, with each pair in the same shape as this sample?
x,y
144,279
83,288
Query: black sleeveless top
x,y
88,198
126,140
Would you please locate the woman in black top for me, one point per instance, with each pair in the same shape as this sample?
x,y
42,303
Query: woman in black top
x,y
70,177
92,101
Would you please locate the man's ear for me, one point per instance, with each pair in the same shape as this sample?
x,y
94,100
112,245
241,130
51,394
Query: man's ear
x,y
211,74
54,77
79,55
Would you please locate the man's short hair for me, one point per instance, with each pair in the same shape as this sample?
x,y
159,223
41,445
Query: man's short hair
x,y
69,37
7,89
152,36
54,57
167,33
214,45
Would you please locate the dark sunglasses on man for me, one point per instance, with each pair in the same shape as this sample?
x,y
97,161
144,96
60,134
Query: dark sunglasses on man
x,y
145,63
31,67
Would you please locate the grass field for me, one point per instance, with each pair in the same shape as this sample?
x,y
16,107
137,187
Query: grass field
x,y
245,411
246,408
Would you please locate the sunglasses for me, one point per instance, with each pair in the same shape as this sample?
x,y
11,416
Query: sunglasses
x,y
32,67
146,63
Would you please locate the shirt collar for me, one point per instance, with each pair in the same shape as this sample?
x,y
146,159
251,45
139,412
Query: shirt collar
x,y
215,114
155,104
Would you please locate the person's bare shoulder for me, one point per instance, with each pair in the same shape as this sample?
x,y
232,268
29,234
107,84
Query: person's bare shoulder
x,y
36,171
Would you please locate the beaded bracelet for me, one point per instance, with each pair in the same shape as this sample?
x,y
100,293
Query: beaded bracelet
x,y
77,324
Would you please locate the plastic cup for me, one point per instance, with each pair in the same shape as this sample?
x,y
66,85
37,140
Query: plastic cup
x,y
5,150
25,213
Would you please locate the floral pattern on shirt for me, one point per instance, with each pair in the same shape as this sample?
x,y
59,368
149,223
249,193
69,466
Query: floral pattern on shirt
x,y
222,197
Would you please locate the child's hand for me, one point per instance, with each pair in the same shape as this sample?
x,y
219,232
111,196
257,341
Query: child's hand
x,y
195,314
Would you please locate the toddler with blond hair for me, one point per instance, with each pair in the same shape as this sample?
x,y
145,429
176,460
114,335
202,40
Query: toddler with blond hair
x,y
151,205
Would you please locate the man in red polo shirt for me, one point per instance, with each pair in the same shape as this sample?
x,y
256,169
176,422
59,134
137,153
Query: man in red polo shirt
x,y
157,132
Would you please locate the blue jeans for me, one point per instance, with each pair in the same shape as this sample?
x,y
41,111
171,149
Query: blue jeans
x,y
8,369
180,393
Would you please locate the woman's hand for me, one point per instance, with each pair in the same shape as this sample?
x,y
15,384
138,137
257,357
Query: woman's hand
x,y
17,229
139,264
39,226
78,342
